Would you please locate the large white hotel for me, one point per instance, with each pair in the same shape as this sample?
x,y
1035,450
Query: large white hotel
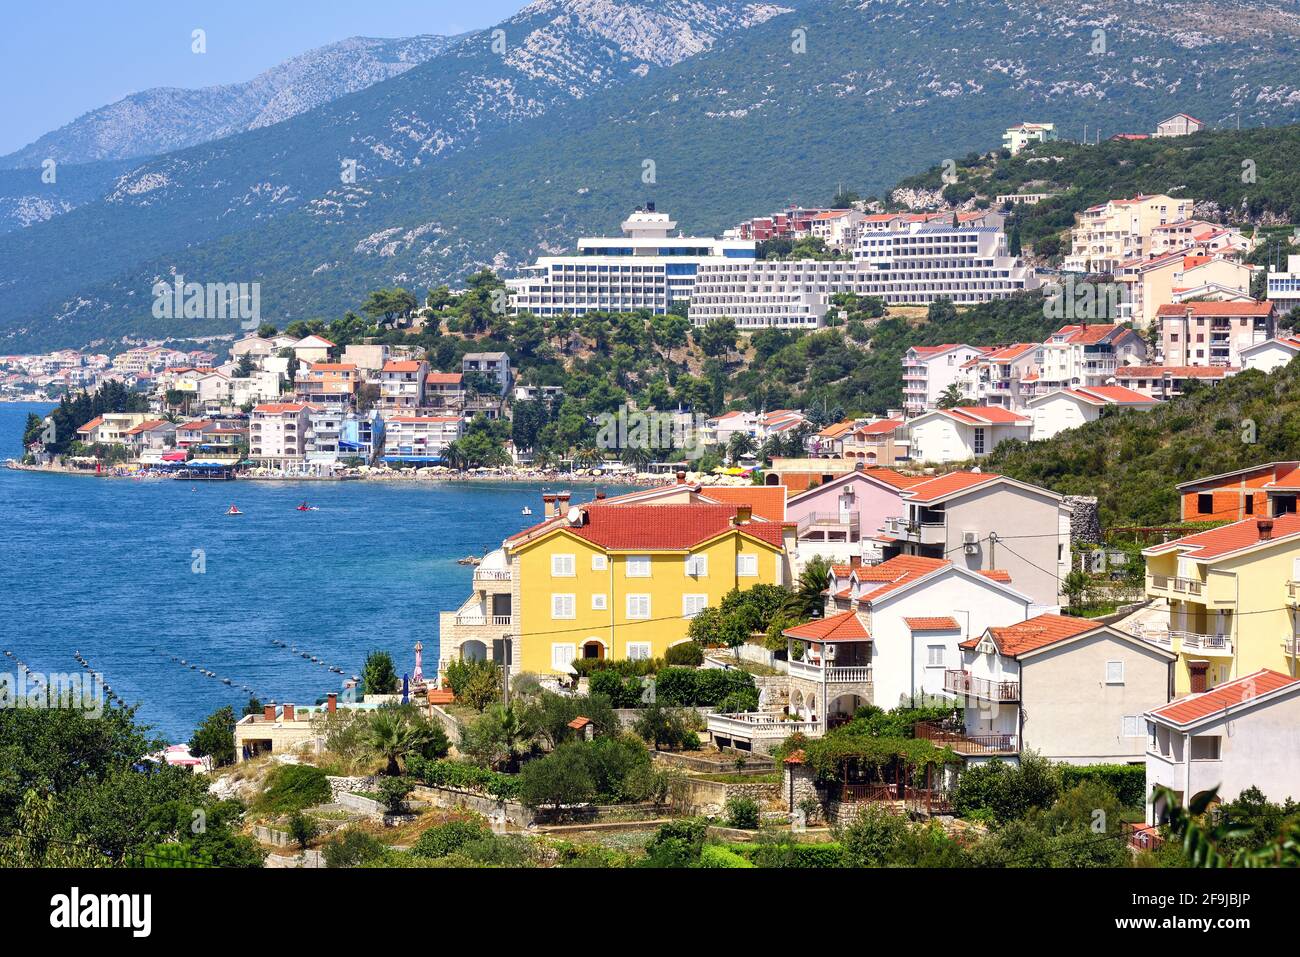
x,y
914,263
645,268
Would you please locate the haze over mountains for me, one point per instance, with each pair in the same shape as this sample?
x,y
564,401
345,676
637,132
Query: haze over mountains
x,y
486,154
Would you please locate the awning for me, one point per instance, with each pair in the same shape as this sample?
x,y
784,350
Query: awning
x,y
174,456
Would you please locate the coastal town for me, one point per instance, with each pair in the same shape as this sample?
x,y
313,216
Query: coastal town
x,y
742,635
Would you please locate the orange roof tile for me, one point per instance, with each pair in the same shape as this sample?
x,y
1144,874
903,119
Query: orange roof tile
x,y
943,485
1039,632
671,527
942,623
1198,707
1211,309
997,575
766,501
846,626
96,421
1227,539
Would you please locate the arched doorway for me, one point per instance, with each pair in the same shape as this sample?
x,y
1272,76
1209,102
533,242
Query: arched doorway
x,y
593,648
473,651
771,479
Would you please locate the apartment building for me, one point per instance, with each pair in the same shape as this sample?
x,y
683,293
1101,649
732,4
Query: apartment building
x,y
444,391
493,365
111,428
987,522
1213,333
1071,689
420,439
646,268
838,228
1004,376
1283,287
1017,137
1087,355
313,349
1169,382
964,432
839,519
1233,594
1172,277
929,371
277,433
917,263
1239,735
327,383
1119,231
613,579
401,384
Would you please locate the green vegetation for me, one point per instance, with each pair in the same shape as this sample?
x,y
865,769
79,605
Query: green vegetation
x,y
1132,460
215,736
293,787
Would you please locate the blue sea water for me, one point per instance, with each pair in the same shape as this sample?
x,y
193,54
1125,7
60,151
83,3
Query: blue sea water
x,y
104,567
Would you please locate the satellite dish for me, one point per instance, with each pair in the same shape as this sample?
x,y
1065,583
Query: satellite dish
x,y
574,515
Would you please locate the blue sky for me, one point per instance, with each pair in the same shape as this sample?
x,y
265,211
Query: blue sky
x,y
61,58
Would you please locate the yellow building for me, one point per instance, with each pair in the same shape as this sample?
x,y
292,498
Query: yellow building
x,y
1233,595
615,578
1111,233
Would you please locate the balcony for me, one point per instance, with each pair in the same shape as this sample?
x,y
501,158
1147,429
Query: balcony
x,y
759,726
928,531
1174,586
968,686
1179,641
850,674
1292,592
492,574
472,619
845,526
969,744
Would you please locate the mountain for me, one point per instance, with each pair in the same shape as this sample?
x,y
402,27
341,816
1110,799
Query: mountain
x,y
478,158
165,119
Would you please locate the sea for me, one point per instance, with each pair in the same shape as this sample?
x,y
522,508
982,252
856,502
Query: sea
x,y
135,574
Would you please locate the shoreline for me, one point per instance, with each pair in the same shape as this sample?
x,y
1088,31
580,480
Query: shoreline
x,y
530,478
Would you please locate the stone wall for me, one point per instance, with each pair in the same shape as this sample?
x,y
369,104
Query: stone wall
x,y
1085,520
700,796
488,806
346,785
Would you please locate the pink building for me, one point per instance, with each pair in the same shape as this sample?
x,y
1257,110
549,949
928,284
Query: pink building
x,y
841,519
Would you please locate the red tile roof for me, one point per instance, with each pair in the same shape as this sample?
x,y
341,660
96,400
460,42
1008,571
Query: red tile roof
x,y
766,501
896,479
997,575
846,626
96,421
1039,632
944,485
1208,704
984,415
944,623
1112,394
1259,309
276,408
1177,372
1227,539
396,365
444,378
882,427
672,527
893,574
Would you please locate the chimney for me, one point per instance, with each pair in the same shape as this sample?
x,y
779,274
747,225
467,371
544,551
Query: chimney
x,y
743,514
562,503
287,712
1265,526
681,478
332,702
548,505
268,712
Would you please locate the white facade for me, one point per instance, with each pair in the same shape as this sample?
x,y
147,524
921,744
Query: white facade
x,y
1270,355
1063,409
928,371
645,268
277,433
1021,135
1284,287
961,434
418,438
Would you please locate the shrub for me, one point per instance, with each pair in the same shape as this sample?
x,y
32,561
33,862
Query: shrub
x,y
1127,781
562,777
465,777
1005,791
292,787
716,855
676,844
686,654
393,792
303,828
784,851
627,667
738,701
664,729
352,848
873,838
622,692
741,812
450,836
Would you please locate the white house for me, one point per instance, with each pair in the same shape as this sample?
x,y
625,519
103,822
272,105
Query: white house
x,y
928,371
964,432
1072,689
1070,408
1237,735
313,348
1271,354
917,611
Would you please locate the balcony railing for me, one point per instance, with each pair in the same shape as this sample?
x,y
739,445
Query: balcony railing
x,y
967,685
471,618
967,743
829,520
1178,640
492,574
830,674
759,724
1173,583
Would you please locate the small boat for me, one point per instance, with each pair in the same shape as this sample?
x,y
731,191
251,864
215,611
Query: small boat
x,y
233,511
468,560
304,507
525,511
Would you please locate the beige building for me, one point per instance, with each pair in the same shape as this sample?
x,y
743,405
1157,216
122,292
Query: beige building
x,y
1071,689
1180,124
1212,333
1160,280
277,433
1119,230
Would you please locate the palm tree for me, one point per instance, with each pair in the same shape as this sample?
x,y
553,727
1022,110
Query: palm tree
x,y
393,735
741,444
807,599
589,457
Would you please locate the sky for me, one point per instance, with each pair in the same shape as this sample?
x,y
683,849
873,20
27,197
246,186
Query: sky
x,y
62,58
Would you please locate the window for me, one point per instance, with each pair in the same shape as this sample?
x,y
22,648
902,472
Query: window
x,y
979,441
599,602
562,657
563,606
692,605
1205,747
599,563
697,565
562,566
1114,672
1250,505
1205,504
638,651
1132,727
638,566
747,566
934,656
638,606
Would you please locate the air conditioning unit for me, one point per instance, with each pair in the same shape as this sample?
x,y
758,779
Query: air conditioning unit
x,y
971,542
